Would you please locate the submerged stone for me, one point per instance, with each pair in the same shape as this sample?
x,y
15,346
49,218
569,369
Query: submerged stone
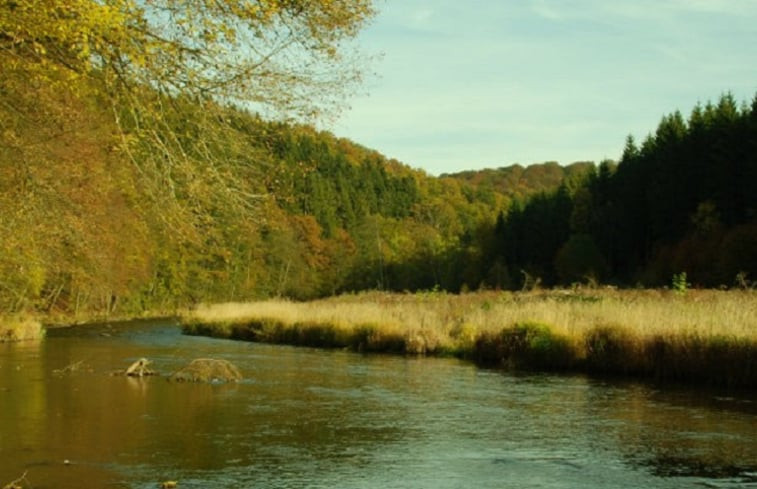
x,y
208,370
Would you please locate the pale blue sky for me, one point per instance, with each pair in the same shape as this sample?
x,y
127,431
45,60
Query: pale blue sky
x,y
486,83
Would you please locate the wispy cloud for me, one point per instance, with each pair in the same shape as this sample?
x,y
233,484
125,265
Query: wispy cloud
x,y
670,9
484,83
548,10
421,17
723,7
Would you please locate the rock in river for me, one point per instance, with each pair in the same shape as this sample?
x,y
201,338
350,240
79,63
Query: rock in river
x,y
139,368
208,370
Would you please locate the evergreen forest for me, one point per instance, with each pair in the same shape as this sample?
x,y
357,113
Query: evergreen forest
x,y
683,203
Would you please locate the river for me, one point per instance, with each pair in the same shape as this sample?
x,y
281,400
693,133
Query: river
x,y
307,418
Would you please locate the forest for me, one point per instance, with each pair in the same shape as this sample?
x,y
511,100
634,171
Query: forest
x,y
82,235
133,180
298,213
682,203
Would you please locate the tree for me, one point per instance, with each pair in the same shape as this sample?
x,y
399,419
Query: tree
x,y
160,62
279,53
131,117
579,259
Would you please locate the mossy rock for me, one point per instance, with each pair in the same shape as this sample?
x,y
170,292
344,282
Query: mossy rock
x,y
208,370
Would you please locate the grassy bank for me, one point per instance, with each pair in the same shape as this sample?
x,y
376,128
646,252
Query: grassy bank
x,y
20,329
21,326
700,336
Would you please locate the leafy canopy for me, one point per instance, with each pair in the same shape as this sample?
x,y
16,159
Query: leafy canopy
x,y
287,55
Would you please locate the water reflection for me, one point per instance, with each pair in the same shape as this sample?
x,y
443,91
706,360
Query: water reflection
x,y
309,418
685,433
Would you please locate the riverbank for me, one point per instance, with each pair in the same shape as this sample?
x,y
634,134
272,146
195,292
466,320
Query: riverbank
x,y
20,329
702,336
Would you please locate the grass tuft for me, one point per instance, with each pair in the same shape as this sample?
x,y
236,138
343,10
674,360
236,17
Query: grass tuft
x,y
613,349
20,329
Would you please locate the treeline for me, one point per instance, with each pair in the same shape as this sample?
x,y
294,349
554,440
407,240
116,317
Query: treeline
x,y
354,220
217,205
253,209
519,182
683,202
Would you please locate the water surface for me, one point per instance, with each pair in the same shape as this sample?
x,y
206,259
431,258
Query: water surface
x,y
334,419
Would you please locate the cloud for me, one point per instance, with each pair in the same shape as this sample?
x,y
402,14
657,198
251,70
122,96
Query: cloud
x,y
422,17
674,9
468,84
724,7
544,9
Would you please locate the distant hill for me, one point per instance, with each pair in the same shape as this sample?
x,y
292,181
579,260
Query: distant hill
x,y
518,181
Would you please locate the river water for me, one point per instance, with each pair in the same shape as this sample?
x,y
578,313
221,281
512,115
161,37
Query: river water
x,y
306,418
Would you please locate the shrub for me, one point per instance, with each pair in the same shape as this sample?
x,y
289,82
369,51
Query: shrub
x,y
20,329
718,360
527,345
612,349
679,283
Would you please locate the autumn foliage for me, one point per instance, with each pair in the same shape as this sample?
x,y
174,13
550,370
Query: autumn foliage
x,y
139,171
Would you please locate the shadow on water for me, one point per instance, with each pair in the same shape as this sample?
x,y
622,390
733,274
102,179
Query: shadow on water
x,y
709,469
675,431
672,432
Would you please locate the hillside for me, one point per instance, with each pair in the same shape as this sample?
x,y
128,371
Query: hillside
x,y
518,181
221,205
253,209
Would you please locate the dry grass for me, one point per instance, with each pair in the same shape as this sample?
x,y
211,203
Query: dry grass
x,y
20,329
645,332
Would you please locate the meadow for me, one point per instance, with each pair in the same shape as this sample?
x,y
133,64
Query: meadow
x,y
701,336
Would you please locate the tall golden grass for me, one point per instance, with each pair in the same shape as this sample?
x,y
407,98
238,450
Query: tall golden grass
x,y
702,335
20,329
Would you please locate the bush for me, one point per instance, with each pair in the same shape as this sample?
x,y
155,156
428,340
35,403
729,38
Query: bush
x,y
20,329
612,349
527,345
679,283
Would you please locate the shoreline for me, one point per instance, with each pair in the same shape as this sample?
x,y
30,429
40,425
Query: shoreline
x,y
20,327
477,328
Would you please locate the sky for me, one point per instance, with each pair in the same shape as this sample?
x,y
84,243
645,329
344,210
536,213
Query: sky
x,y
472,84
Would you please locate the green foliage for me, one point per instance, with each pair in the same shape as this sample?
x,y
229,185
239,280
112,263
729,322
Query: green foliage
x,y
679,283
337,182
126,175
271,52
205,202
524,345
519,182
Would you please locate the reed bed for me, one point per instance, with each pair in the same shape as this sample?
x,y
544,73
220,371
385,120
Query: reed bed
x,y
705,336
20,329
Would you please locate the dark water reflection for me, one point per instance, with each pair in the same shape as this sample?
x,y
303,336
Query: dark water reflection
x,y
310,418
